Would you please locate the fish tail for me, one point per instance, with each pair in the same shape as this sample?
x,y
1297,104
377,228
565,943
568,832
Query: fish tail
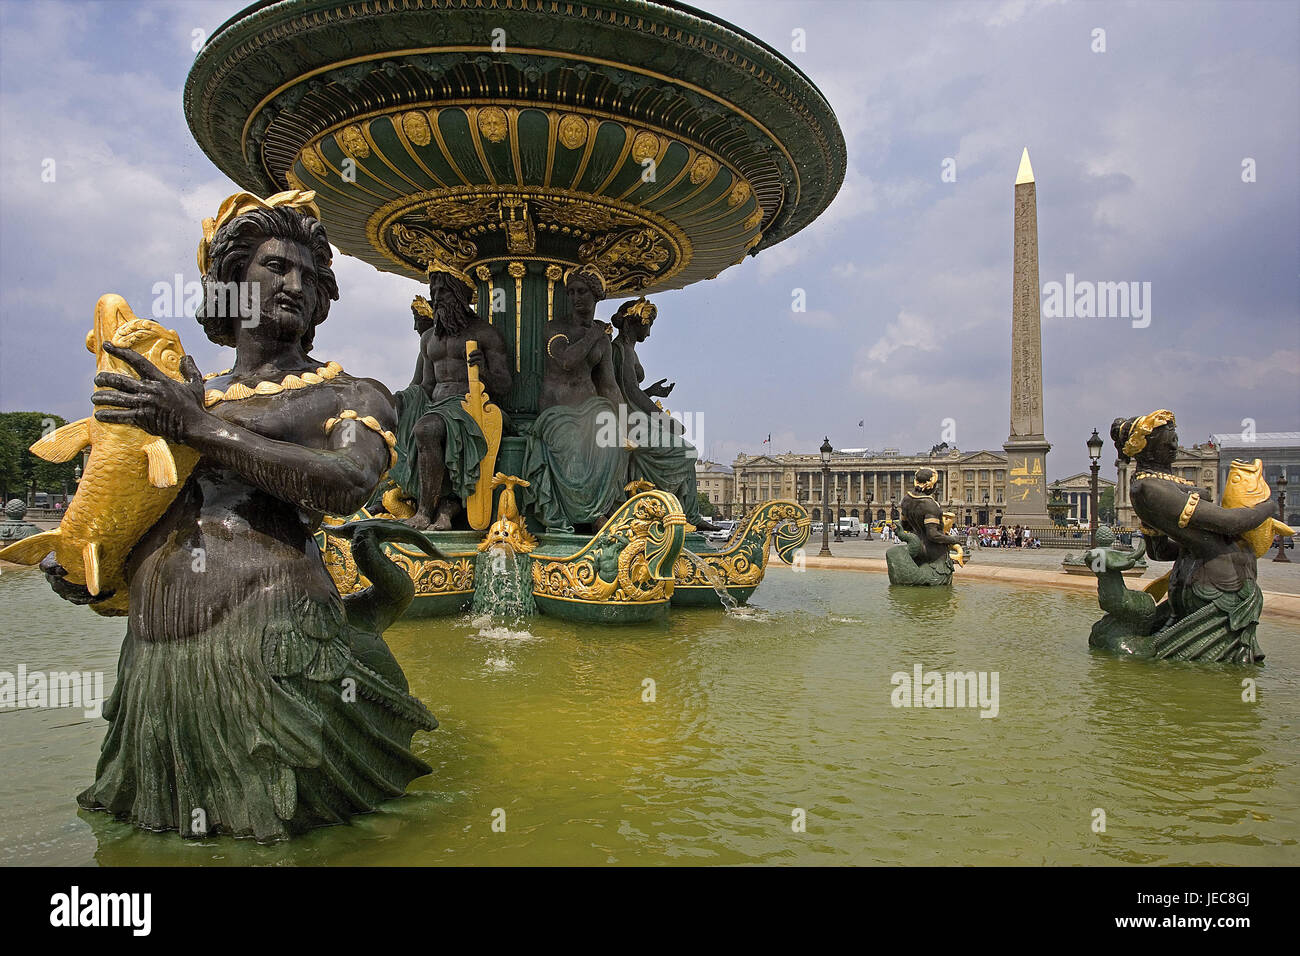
x,y
31,550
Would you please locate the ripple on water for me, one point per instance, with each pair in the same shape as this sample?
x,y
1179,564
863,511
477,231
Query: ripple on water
x,y
702,739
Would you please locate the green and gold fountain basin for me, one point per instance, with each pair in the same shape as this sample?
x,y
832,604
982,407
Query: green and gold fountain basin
x,y
651,139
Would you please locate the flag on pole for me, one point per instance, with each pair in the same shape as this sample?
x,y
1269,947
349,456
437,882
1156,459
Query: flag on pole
x,y
862,423
768,439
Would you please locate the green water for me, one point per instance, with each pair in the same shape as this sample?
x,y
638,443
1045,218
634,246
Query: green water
x,y
754,717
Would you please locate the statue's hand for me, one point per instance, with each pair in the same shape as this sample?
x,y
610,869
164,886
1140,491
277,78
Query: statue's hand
x,y
476,357
161,406
56,574
660,389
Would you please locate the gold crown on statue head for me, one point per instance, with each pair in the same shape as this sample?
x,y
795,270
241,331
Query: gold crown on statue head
x,y
421,306
1143,427
590,274
438,265
302,200
926,484
644,310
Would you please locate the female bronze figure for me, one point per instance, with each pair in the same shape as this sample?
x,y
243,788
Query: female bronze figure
x,y
246,701
661,454
574,459
1213,602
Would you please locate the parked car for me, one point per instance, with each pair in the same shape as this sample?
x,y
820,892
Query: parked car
x,y
723,533
850,526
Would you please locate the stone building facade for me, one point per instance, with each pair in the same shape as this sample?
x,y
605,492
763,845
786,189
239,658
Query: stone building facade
x,y
972,485
1077,490
716,485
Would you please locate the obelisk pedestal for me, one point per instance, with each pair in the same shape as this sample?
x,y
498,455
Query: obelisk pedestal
x,y
1027,446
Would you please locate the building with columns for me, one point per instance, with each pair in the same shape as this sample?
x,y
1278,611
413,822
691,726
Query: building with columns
x,y
1077,490
871,484
1199,464
716,485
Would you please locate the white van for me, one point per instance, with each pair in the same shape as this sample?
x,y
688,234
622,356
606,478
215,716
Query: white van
x,y
851,526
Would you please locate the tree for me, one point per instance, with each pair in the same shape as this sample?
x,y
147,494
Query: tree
x,y
706,506
1106,505
20,470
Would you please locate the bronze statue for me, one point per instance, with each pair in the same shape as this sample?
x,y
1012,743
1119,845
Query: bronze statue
x,y
574,462
1213,601
248,701
926,555
439,445
659,453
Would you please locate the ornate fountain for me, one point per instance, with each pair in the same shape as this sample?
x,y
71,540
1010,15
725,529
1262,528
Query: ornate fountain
x,y
509,143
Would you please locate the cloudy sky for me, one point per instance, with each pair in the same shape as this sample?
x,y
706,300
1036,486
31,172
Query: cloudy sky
x,y
1140,153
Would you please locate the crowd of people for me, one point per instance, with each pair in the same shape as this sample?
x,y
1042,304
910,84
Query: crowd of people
x,y
1001,537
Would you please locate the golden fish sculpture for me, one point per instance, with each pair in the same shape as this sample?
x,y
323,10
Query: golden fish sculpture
x,y
1246,487
132,477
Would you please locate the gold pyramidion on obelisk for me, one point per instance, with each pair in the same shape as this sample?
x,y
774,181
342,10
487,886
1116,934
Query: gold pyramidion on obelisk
x,y
1027,446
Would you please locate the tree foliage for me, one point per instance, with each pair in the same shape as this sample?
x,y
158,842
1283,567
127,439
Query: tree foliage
x,y
20,470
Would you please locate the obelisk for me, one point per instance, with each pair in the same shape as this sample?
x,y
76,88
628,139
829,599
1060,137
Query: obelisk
x,y
1027,446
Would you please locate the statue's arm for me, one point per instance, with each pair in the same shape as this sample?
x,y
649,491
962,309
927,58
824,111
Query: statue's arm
x,y
934,531
571,353
602,374
624,371
1171,504
418,377
337,479
496,376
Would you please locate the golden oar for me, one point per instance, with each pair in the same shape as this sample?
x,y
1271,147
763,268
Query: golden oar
x,y
478,508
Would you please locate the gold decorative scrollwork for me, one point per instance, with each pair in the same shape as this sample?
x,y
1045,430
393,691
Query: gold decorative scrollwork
x,y
744,561
629,561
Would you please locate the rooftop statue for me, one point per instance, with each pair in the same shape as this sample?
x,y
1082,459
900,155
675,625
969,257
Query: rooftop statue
x,y
1207,607
232,620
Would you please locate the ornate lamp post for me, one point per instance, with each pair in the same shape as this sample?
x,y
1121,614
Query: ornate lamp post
x,y
1095,445
1281,516
839,506
869,538
988,516
826,501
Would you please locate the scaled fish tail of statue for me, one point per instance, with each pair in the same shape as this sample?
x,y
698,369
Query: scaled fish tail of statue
x,y
131,479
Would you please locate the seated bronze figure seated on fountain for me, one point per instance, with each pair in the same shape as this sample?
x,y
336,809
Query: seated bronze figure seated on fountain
x,y
439,445
576,475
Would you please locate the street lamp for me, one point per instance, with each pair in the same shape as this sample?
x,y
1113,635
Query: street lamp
x,y
1281,514
826,502
1095,445
839,506
869,538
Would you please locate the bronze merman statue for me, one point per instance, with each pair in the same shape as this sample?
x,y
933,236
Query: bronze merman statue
x,y
248,701
924,557
660,454
439,445
574,462
1213,601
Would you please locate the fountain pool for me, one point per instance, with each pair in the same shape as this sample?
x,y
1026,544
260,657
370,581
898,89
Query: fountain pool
x,y
786,707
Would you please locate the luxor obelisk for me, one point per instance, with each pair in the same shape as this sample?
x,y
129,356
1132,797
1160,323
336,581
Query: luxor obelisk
x,y
1027,445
